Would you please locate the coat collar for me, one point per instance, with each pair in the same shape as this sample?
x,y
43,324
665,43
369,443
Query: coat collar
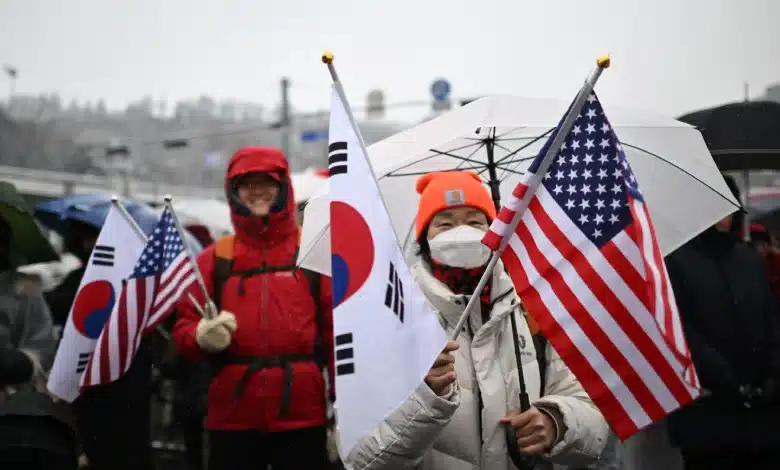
x,y
450,305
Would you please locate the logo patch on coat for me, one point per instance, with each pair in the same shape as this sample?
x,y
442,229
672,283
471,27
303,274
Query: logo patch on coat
x,y
521,341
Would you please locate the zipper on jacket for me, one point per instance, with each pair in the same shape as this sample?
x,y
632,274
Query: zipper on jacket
x,y
479,395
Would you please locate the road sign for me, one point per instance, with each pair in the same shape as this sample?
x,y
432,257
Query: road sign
x,y
440,89
444,105
314,135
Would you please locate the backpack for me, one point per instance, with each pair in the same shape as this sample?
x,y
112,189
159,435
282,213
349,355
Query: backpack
x,y
223,270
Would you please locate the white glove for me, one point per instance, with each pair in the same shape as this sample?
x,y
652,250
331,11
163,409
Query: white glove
x,y
214,334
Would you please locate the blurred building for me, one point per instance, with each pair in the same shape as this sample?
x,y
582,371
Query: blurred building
x,y
773,92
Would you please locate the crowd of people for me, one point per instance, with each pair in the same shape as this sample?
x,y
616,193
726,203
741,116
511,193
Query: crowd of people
x,y
254,380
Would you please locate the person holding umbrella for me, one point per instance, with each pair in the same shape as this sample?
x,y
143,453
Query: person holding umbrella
x,y
27,340
466,413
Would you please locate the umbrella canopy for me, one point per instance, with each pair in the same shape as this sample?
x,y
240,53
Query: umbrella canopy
x,y
28,243
93,209
50,212
744,135
212,213
308,183
499,136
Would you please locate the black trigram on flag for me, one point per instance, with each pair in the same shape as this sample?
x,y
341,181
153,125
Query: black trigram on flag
x,y
345,355
82,362
337,158
394,295
103,255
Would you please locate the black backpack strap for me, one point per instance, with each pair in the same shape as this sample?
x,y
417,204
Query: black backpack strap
x,y
314,281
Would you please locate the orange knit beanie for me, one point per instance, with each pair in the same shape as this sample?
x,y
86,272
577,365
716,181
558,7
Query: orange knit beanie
x,y
447,189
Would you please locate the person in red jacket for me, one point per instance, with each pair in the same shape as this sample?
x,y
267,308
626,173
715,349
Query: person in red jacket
x,y
267,402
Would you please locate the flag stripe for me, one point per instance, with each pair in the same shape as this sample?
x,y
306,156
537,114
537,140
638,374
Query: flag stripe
x,y
568,339
609,292
572,286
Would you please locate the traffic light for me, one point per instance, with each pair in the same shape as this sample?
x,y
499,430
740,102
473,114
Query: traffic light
x,y
175,144
118,150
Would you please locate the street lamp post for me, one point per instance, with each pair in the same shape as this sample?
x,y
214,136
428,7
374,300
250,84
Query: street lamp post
x,y
13,74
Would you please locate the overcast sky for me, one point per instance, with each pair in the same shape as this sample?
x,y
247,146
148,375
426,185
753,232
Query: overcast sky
x,y
668,55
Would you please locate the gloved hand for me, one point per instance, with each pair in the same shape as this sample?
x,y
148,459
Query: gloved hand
x,y
214,334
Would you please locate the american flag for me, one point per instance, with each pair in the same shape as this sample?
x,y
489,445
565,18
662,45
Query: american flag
x,y
159,278
585,261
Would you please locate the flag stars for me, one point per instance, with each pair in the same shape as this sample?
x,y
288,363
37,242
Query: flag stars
x,y
588,177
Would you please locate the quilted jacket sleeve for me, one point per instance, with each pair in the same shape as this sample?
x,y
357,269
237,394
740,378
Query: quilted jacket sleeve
x,y
403,438
585,430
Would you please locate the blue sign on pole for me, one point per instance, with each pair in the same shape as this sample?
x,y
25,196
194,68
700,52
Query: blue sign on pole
x,y
314,136
440,89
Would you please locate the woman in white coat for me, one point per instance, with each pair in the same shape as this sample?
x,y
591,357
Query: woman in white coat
x,y
458,418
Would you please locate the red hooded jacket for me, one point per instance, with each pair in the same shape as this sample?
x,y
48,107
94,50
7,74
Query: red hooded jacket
x,y
275,314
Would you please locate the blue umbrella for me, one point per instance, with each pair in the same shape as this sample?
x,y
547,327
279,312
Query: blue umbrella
x,y
93,209
50,212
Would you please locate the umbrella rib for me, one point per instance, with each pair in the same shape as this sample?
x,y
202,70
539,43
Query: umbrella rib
x,y
677,167
519,149
468,159
437,153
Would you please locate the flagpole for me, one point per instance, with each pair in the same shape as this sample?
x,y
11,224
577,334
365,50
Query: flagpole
x,y
129,218
198,276
327,59
534,182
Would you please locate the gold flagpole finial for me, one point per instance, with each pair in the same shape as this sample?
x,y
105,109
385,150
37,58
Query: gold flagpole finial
x,y
604,61
327,57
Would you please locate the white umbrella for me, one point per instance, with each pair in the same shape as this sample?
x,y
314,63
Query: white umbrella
x,y
498,136
209,212
308,183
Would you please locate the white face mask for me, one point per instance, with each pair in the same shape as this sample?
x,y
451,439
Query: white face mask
x,y
460,247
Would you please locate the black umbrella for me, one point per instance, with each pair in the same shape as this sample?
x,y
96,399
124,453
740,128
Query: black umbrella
x,y
741,136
